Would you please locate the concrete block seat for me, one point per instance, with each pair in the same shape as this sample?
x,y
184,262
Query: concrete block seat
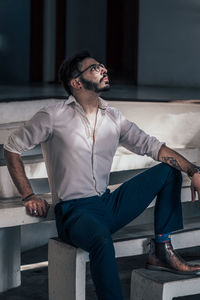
x,y
158,285
67,264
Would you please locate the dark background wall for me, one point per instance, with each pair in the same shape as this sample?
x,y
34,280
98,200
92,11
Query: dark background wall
x,y
169,43
142,42
14,40
36,35
86,27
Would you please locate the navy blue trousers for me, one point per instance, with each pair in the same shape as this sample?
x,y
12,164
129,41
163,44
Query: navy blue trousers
x,y
88,223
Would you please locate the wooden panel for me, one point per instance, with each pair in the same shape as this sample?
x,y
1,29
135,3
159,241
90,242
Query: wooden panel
x,y
122,39
60,34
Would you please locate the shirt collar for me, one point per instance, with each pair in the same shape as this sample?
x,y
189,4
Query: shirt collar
x,y
102,103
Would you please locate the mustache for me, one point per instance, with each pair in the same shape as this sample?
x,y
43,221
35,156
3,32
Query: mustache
x,y
105,75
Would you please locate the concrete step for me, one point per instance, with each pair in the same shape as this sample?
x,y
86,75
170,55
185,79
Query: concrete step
x,y
126,160
13,213
36,170
159,285
187,237
41,186
13,209
189,210
31,156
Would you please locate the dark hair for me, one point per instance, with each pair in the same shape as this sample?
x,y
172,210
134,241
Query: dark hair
x,y
70,68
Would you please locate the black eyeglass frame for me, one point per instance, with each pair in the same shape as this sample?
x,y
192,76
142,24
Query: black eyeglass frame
x,y
89,67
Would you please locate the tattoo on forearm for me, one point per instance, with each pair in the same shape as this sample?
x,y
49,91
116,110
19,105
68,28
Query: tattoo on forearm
x,y
172,162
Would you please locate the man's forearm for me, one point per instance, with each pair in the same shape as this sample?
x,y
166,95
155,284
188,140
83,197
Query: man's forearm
x,y
176,160
17,172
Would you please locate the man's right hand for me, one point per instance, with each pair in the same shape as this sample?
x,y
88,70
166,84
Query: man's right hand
x,y
37,206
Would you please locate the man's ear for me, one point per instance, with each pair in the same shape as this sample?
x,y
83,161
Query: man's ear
x,y
75,83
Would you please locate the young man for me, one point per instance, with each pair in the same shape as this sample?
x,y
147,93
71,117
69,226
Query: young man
x,y
80,137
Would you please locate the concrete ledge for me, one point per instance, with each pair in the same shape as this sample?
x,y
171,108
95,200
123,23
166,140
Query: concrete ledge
x,y
13,213
159,285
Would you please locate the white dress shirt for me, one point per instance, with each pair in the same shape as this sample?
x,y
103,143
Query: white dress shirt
x,y
79,164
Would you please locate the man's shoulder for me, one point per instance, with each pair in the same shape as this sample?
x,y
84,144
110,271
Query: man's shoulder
x,y
113,111
55,108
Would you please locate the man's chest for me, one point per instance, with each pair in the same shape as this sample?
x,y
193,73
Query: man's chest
x,y
78,134
92,120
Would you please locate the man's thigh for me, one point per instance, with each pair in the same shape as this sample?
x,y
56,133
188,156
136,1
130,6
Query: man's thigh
x,y
87,230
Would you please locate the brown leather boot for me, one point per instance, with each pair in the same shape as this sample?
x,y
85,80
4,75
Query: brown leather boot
x,y
162,257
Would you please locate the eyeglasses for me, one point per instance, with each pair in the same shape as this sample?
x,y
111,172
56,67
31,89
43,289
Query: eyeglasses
x,y
94,68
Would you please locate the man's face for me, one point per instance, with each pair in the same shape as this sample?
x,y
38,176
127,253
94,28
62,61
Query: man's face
x,y
95,77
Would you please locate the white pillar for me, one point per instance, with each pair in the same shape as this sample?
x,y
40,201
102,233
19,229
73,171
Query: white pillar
x,y
10,258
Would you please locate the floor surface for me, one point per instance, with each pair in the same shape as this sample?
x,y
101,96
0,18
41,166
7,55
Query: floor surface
x,y
35,282
126,92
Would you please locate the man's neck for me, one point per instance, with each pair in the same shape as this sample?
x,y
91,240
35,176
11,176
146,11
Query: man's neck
x,y
89,102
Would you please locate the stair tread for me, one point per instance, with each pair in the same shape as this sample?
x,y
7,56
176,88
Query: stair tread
x,y
146,230
166,277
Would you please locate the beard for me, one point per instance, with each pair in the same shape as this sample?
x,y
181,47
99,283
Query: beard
x,y
93,86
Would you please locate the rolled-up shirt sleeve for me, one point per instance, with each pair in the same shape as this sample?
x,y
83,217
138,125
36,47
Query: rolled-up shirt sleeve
x,y
136,140
34,132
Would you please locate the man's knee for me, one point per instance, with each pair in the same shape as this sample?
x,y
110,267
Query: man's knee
x,y
172,173
102,245
100,239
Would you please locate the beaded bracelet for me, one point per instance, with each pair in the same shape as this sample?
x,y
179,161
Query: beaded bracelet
x,y
197,170
27,197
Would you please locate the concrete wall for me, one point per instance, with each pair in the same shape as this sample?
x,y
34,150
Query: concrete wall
x,y
169,43
14,40
86,27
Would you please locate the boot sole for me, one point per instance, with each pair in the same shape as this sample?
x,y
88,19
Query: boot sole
x,y
158,268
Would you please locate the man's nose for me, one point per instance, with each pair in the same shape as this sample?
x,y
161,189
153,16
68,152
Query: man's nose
x,y
103,70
